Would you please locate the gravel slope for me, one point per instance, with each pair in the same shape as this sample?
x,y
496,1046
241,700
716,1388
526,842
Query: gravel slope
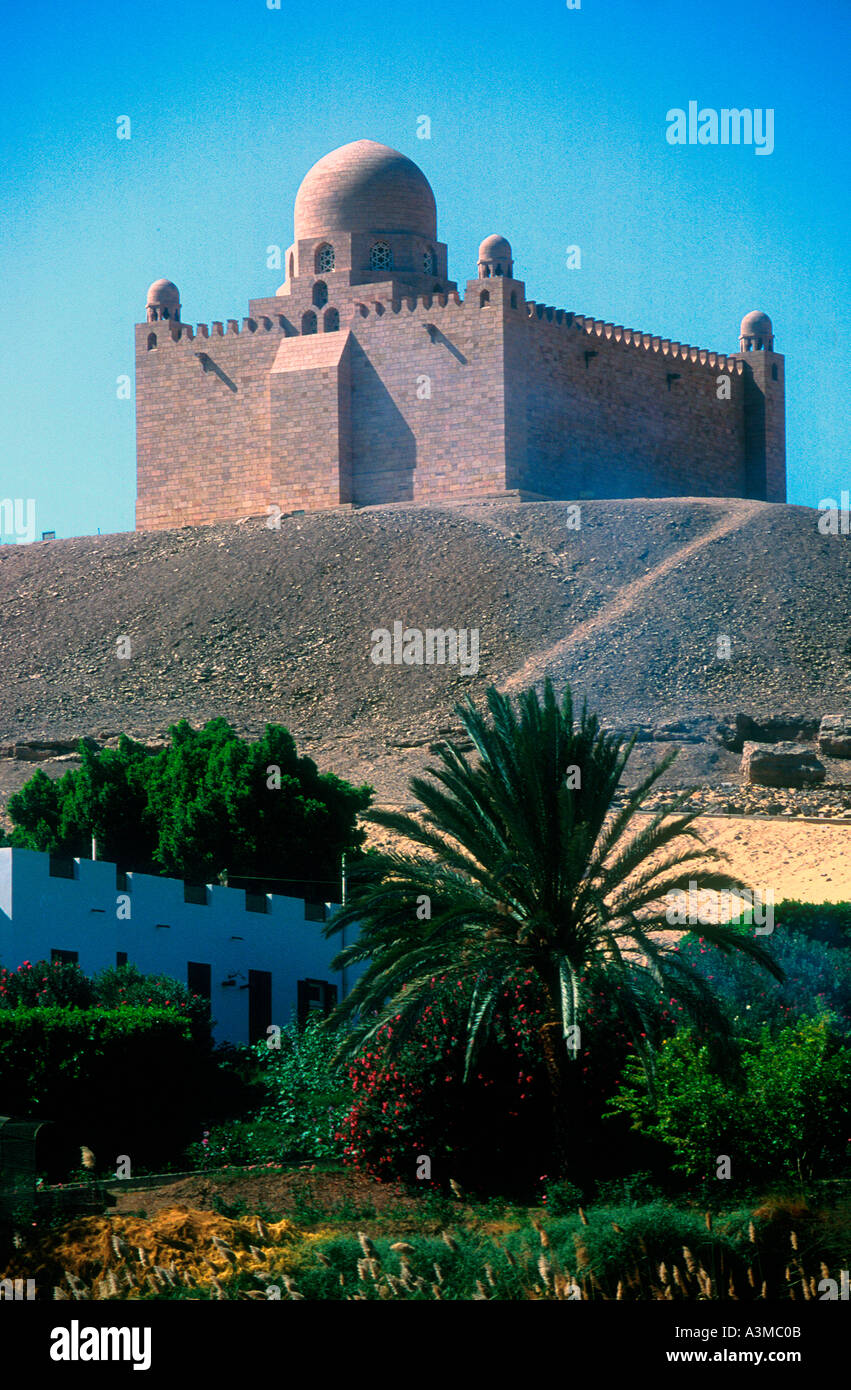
x,y
261,625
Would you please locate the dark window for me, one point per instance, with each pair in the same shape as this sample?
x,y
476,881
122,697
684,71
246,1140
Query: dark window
x,y
198,978
320,294
195,893
259,1004
315,912
308,322
64,957
513,300
121,883
120,957
484,297
152,341
381,257
315,997
256,902
332,320
774,371
62,867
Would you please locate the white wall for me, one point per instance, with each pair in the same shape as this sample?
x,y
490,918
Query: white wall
x,y
40,913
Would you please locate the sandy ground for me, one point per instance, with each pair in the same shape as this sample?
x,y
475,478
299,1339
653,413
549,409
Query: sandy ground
x,y
797,859
807,860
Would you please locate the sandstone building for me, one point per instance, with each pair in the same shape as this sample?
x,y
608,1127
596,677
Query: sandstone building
x,y
367,378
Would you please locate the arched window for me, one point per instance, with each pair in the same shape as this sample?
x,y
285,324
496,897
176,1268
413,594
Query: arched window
x,y
429,263
320,294
381,257
152,341
498,270
308,322
165,312
484,298
325,259
292,266
331,321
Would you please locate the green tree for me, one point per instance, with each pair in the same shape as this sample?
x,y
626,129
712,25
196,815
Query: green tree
x,y
208,805
529,868
104,798
789,1115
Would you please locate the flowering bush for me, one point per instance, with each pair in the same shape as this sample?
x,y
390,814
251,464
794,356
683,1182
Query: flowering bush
x,y
124,986
496,1127
45,983
50,983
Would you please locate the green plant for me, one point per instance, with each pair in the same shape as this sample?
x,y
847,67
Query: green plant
x,y
789,1114
561,1197
209,804
529,872
123,1081
44,983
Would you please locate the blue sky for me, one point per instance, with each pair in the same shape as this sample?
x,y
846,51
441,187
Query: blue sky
x,y
547,125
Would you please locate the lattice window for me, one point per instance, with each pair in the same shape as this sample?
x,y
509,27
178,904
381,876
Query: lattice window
x,y
429,263
381,257
325,259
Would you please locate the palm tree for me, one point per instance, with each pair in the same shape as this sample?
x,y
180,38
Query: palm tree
x,y
528,867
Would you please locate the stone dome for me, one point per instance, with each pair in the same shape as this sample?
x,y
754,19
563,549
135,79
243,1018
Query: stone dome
x,y
495,248
495,257
365,187
756,331
163,292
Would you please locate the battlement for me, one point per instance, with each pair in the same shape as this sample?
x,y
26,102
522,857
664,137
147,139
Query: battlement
x,y
185,332
405,305
648,342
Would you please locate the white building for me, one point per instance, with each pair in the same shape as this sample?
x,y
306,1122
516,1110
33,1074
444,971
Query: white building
x,y
259,958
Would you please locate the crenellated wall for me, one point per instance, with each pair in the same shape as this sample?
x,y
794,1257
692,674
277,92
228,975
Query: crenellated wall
x,y
398,397
614,412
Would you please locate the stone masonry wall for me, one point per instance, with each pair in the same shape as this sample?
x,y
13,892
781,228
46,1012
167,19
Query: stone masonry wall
x,y
609,418
432,398
202,424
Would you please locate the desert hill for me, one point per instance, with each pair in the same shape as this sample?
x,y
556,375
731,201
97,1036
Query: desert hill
x,y
259,624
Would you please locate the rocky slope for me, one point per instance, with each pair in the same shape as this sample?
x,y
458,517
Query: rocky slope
x,y
275,625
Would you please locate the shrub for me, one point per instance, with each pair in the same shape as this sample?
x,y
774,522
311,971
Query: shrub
x,y
124,986
790,1115
305,1096
829,923
309,1092
494,1131
45,983
123,1081
818,981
